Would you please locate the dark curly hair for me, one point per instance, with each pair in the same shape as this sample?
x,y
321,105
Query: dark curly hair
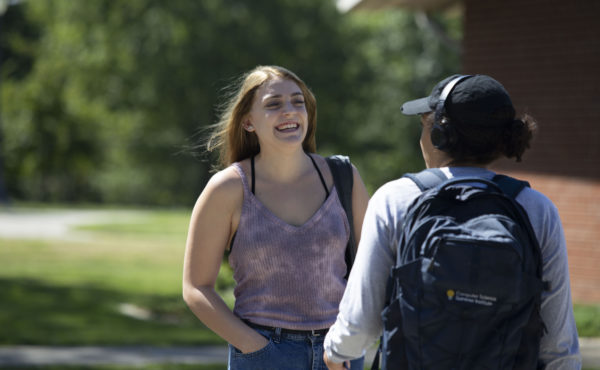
x,y
483,144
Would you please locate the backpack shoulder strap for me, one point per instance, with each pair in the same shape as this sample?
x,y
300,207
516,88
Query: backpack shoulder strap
x,y
509,185
512,187
428,178
343,179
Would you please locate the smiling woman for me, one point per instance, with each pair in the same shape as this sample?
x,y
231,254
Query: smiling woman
x,y
278,115
276,210
231,140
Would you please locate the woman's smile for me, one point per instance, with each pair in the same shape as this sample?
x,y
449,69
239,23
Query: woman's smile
x,y
288,126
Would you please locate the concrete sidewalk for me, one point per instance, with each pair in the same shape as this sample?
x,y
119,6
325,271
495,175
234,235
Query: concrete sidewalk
x,y
61,224
140,356
133,356
590,352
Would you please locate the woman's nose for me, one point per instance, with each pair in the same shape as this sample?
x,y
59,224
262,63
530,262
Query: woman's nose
x,y
289,108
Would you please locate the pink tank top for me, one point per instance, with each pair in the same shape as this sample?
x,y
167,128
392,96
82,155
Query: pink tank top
x,y
289,276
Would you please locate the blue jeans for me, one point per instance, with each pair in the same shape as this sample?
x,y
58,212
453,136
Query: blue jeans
x,y
285,351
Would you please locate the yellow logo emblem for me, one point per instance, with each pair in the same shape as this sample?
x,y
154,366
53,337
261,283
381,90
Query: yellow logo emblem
x,y
450,294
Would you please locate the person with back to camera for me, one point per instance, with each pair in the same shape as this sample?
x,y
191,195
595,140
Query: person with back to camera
x,y
275,207
467,123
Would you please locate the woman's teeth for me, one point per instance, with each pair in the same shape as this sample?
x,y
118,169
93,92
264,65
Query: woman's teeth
x,y
287,126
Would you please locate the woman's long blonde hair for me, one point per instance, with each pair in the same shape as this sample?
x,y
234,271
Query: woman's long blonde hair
x,y
230,138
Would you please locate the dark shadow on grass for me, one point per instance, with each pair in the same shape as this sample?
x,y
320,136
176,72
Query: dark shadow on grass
x,y
38,313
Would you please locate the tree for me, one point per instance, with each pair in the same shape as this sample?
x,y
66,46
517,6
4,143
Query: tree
x,y
116,89
407,58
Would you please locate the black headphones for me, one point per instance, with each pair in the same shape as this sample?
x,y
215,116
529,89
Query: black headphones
x,y
443,134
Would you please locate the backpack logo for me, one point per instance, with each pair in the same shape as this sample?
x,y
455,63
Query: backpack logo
x,y
472,298
479,299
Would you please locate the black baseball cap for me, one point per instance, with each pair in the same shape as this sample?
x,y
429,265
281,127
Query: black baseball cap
x,y
475,100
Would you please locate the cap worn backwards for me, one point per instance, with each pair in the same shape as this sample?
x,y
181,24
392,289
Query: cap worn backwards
x,y
476,100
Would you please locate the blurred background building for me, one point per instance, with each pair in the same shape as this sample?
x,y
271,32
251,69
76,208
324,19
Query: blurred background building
x,y
546,53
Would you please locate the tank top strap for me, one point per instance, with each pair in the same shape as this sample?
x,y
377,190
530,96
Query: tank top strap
x,y
320,174
252,176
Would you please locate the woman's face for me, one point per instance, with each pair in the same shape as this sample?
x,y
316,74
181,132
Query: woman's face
x,y
278,115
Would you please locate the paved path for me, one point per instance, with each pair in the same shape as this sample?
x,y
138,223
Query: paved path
x,y
89,356
24,223
590,351
139,356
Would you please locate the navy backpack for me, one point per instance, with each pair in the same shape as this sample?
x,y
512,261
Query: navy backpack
x,y
465,292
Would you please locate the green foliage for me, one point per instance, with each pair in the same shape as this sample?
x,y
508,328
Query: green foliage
x,y
100,98
408,60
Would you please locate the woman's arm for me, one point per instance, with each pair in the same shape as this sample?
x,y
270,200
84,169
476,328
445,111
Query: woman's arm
x,y
215,216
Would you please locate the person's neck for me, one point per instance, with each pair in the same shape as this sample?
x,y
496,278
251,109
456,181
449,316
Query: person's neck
x,y
444,160
466,164
283,167
439,160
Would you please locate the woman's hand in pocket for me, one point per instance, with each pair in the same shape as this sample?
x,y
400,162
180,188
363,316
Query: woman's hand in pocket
x,y
258,342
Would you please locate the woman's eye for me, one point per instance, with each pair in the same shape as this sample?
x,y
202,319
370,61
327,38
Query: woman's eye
x,y
272,105
299,102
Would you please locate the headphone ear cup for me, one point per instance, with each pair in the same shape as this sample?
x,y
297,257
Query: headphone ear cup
x,y
439,137
451,134
443,134
438,133
439,113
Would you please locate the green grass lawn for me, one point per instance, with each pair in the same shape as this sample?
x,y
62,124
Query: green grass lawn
x,y
72,292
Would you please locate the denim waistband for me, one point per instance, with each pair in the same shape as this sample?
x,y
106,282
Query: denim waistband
x,y
314,333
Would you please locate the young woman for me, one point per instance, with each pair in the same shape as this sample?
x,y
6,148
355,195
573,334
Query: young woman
x,y
274,207
475,126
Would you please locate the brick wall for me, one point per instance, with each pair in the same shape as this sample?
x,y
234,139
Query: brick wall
x,y
577,201
547,55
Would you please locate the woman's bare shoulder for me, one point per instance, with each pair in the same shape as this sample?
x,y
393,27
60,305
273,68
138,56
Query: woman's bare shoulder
x,y
225,185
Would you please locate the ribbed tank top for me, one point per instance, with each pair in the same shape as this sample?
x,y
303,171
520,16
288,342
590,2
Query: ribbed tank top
x,y
289,276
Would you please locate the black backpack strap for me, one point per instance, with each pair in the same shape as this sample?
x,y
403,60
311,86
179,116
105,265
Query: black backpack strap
x,y
343,179
428,178
509,185
512,187
425,179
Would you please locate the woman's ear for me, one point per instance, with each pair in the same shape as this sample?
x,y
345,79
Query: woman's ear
x,y
248,126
